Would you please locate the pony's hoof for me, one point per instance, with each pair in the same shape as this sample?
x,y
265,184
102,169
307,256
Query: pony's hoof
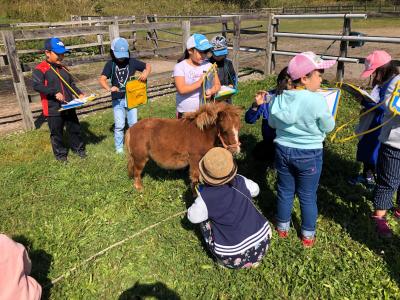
x,y
138,187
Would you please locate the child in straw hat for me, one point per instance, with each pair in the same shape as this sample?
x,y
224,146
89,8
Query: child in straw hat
x,y
236,233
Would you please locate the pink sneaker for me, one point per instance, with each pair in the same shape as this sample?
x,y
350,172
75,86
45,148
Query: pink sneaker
x,y
382,227
308,242
396,213
282,233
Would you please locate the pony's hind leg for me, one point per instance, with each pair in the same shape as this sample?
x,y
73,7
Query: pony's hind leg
x,y
137,168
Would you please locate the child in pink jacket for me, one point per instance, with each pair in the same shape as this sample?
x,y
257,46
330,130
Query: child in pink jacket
x,y
15,266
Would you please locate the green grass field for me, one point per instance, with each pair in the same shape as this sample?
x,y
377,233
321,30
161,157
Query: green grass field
x,y
67,213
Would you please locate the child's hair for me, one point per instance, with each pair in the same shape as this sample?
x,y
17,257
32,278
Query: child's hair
x,y
287,82
283,81
384,73
184,56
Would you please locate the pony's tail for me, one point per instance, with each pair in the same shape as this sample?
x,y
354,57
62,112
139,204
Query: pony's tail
x,y
130,156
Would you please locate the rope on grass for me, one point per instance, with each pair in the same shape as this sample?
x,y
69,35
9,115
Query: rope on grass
x,y
94,256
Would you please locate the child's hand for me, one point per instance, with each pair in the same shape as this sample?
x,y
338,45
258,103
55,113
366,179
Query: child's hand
x,y
114,89
81,96
208,93
260,98
60,97
143,76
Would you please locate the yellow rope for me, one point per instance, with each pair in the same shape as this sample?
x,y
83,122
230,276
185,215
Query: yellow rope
x,y
211,69
69,87
395,113
63,80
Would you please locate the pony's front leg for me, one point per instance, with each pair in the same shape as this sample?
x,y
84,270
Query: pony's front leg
x,y
194,174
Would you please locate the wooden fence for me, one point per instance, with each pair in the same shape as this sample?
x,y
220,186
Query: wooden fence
x,y
105,30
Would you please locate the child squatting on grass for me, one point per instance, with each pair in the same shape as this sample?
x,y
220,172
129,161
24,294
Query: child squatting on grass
x,y
15,267
54,92
119,70
384,70
386,76
235,232
302,119
265,150
189,75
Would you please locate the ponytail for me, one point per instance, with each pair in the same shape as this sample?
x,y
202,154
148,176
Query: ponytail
x,y
184,56
384,73
283,81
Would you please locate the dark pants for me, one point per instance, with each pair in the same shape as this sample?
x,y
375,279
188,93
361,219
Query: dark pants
x,y
69,119
388,178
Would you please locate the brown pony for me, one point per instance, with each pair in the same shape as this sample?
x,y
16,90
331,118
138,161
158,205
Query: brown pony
x,y
177,143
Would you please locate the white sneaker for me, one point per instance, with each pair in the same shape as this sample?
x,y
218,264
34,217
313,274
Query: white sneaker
x,y
119,151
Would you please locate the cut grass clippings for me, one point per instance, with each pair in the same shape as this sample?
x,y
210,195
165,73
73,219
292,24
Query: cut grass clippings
x,y
64,214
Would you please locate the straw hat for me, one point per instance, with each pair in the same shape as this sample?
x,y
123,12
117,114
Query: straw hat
x,y
217,166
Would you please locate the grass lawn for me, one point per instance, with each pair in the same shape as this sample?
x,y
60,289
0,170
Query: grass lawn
x,y
67,213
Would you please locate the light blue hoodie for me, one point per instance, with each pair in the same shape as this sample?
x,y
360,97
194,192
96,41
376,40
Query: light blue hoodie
x,y
301,118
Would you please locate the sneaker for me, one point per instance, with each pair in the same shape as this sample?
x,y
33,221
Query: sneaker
x,y
357,180
119,151
396,213
308,242
282,233
62,159
382,227
82,154
369,183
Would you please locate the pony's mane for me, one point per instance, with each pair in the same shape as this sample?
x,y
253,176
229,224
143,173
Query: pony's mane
x,y
207,115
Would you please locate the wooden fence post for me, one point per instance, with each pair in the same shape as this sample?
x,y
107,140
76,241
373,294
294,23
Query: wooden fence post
x,y
236,43
113,30
224,28
152,33
343,49
134,35
268,49
100,40
185,33
18,80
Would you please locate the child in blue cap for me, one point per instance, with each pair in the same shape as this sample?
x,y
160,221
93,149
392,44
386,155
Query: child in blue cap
x,y
53,92
119,69
189,75
226,72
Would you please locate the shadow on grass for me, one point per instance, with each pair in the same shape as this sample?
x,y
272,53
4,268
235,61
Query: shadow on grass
x,y
88,136
156,290
350,206
41,262
256,169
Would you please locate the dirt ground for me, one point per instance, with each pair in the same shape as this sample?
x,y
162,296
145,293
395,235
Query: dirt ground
x,y
162,68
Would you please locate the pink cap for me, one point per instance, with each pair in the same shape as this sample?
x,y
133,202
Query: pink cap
x,y
305,63
376,59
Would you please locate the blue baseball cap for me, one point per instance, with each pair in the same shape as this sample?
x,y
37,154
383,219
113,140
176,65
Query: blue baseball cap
x,y
120,47
220,52
220,46
199,42
56,45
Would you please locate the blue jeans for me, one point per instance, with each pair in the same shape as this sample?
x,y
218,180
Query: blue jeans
x,y
120,113
298,171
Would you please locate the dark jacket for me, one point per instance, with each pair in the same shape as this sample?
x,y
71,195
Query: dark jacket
x,y
252,116
226,72
48,84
